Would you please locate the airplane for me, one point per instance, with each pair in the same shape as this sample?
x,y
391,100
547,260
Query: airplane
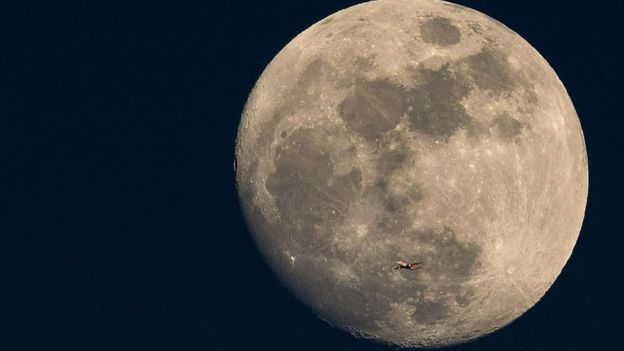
x,y
411,266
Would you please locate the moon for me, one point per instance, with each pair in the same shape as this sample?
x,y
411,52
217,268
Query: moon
x,y
418,131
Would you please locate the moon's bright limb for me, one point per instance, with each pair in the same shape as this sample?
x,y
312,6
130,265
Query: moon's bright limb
x,y
417,131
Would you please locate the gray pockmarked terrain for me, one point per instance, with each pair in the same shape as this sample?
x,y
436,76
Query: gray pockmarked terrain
x,y
417,131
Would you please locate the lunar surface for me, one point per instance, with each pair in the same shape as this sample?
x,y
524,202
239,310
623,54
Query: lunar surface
x,y
415,131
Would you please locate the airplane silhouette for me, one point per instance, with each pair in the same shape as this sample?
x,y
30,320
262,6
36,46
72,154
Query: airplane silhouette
x,y
411,266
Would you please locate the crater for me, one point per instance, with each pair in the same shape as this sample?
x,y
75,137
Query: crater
x,y
440,31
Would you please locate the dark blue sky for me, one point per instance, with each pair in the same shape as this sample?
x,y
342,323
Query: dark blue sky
x,y
121,229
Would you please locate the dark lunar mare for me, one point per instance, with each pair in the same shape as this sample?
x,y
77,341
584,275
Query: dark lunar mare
x,y
434,106
440,31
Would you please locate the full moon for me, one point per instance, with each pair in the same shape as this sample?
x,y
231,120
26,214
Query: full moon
x,y
413,130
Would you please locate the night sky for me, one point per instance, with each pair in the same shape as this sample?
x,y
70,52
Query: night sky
x,y
120,226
